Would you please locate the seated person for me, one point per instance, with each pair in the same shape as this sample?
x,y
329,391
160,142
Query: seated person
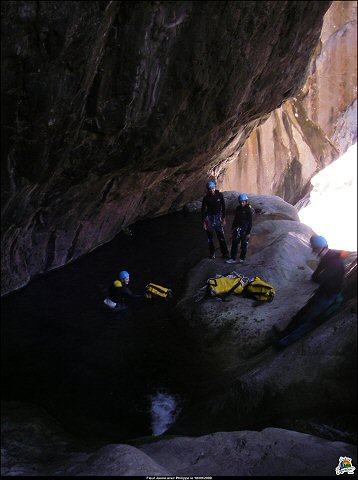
x,y
330,276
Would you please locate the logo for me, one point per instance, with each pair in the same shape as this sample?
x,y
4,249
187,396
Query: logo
x,y
345,466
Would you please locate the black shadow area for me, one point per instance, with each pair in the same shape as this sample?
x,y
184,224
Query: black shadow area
x,y
93,370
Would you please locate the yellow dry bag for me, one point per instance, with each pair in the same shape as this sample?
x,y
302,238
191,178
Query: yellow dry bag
x,y
154,291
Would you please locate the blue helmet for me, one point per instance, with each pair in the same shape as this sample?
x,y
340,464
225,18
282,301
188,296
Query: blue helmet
x,y
318,242
123,274
211,184
243,197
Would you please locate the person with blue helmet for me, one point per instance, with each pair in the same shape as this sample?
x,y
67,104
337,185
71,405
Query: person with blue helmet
x,y
241,228
124,275
317,243
119,293
213,218
329,275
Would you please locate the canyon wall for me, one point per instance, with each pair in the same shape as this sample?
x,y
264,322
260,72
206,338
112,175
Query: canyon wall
x,y
117,111
311,129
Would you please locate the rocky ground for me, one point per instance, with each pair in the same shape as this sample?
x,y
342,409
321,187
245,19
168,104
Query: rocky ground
x,y
259,412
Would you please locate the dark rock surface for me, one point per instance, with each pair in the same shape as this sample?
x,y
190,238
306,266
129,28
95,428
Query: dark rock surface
x,y
269,452
252,411
96,370
115,111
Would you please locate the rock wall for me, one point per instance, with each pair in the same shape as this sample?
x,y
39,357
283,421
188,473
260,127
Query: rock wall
x,y
311,129
116,111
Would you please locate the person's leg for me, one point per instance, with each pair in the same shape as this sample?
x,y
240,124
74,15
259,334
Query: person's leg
x,y
234,246
298,318
222,241
296,334
306,320
244,245
210,235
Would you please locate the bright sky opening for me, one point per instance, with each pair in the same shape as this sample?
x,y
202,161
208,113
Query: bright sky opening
x,y
332,211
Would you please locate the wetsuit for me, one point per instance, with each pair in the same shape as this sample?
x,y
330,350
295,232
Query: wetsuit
x,y
119,295
213,214
241,228
330,276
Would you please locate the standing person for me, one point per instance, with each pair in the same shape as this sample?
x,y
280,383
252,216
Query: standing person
x,y
330,276
119,293
213,217
241,228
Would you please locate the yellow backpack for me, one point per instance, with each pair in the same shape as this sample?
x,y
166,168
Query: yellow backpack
x,y
154,291
259,290
224,285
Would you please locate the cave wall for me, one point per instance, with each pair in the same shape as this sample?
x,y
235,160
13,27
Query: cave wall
x,y
116,111
311,129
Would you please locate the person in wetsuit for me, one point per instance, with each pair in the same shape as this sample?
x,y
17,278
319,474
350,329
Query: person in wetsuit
x,y
213,218
241,228
119,294
330,276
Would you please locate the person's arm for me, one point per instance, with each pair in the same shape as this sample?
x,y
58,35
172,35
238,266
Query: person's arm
x,y
235,220
329,271
317,274
127,293
250,222
204,208
223,206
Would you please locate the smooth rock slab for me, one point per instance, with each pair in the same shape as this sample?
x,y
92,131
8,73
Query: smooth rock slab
x,y
271,452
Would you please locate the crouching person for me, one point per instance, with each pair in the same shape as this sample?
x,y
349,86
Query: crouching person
x,y
119,293
330,276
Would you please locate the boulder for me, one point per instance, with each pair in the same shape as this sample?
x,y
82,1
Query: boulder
x,y
249,382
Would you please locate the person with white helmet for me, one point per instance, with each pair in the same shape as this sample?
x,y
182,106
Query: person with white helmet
x,y
119,293
213,218
329,274
241,228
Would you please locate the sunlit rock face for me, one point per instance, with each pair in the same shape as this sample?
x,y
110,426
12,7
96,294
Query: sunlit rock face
x,y
312,128
330,92
336,187
116,111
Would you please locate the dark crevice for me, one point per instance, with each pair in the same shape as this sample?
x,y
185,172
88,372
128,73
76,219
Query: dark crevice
x,y
107,190
71,250
51,250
